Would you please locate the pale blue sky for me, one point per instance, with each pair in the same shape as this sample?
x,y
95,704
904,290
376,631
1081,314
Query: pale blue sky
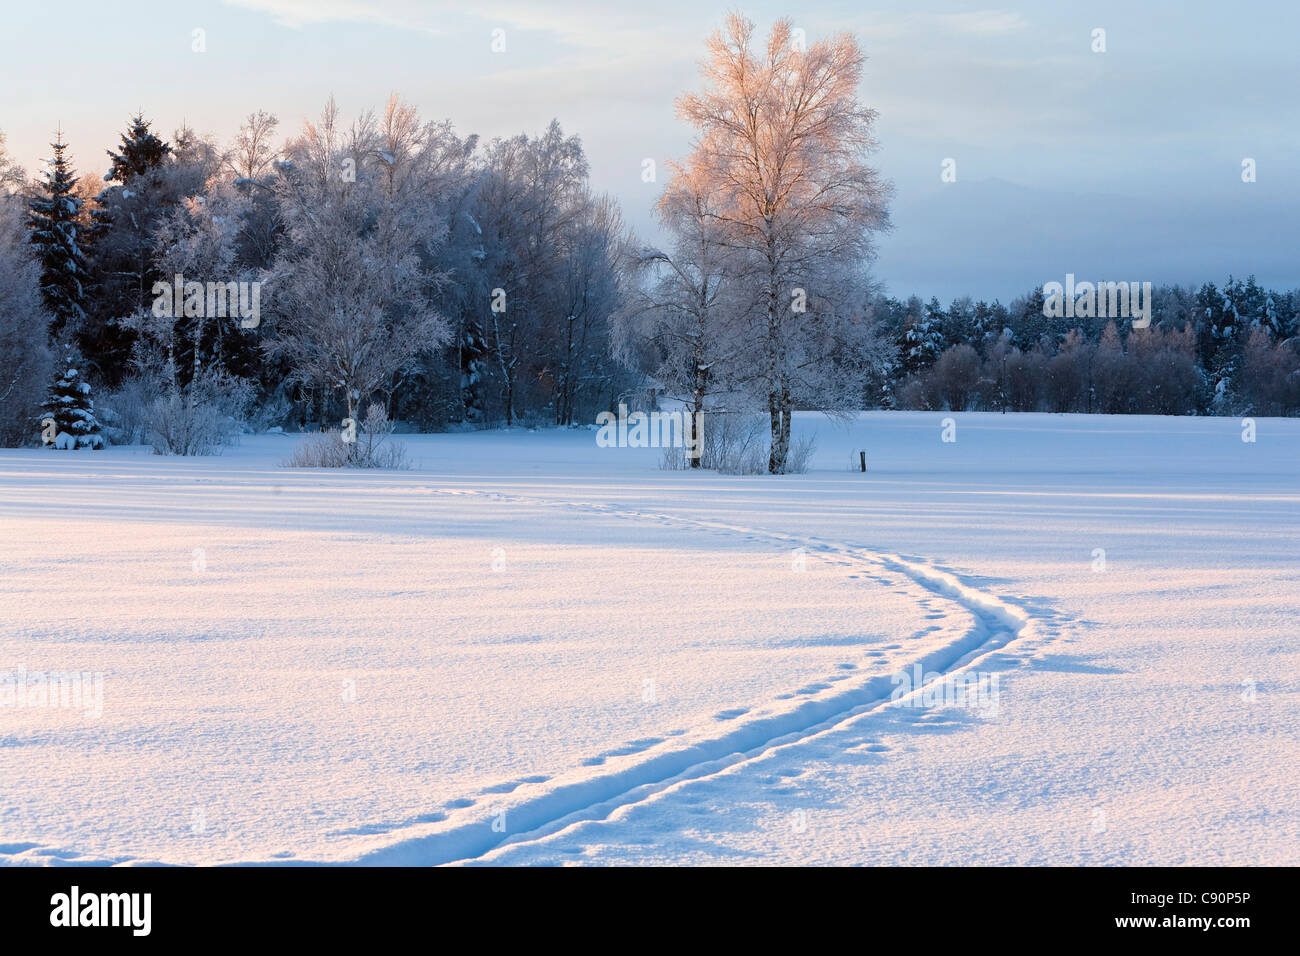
x,y
1122,165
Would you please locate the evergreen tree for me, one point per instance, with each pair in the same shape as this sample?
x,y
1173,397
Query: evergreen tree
x,y
141,152
923,338
1238,302
987,324
124,225
1248,304
53,223
937,319
959,328
68,416
1027,320
1212,319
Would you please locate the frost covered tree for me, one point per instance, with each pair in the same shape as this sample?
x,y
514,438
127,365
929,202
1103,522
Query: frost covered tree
x,y
783,139
53,221
685,321
955,377
25,358
1112,373
451,384
183,342
987,324
426,174
532,203
251,166
253,154
1215,323
12,177
352,302
589,292
1067,374
124,222
1271,374
141,151
68,416
195,240
923,338
1165,380
959,323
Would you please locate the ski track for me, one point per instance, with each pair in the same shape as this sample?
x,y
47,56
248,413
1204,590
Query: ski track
x,y
661,769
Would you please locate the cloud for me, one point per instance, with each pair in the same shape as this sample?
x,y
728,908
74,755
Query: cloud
x,y
586,24
404,14
985,23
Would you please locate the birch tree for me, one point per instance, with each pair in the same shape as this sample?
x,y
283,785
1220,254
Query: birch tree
x,y
12,177
685,321
782,141
253,155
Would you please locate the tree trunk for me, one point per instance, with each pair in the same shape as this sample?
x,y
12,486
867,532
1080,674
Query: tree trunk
x,y
697,412
194,373
775,458
774,441
352,416
787,412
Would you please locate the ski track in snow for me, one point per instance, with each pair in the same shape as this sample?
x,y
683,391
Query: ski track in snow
x,y
660,769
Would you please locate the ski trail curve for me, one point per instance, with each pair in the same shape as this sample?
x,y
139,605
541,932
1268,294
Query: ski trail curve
x,y
583,795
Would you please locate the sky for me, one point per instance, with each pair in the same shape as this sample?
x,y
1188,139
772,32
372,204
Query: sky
x,y
1122,165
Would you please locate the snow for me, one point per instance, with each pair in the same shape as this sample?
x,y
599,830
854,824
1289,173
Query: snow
x,y
532,650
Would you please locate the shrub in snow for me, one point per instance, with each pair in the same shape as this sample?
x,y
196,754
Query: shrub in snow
x,y
201,419
319,450
126,411
673,459
801,452
736,443
68,416
371,446
914,395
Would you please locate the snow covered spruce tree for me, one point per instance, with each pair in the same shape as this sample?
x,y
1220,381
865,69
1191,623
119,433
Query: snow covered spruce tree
x,y
141,189
52,220
784,138
68,418
923,337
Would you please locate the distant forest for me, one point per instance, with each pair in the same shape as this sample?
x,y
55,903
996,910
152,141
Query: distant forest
x,y
1209,351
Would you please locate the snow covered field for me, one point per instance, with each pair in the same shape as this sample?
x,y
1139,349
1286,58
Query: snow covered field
x,y
532,650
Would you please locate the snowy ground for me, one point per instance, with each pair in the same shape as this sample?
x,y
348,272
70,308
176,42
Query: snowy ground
x,y
532,650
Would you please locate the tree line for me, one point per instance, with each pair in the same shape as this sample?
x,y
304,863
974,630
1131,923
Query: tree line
x,y
392,259
1207,351
388,260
